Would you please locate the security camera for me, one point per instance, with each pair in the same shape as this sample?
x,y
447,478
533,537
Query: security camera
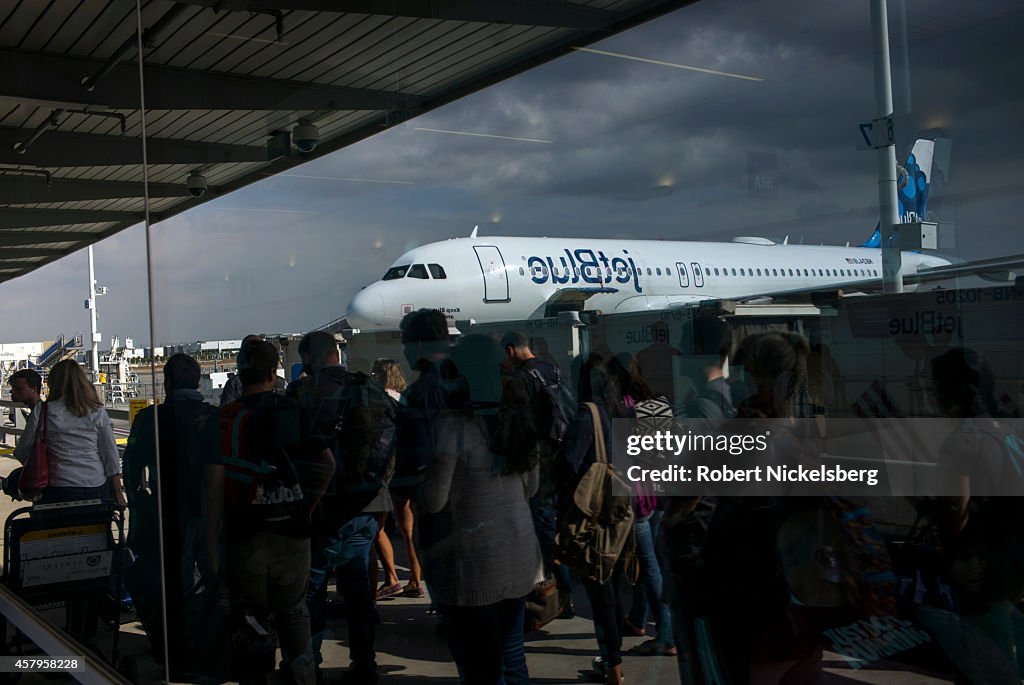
x,y
305,137
196,184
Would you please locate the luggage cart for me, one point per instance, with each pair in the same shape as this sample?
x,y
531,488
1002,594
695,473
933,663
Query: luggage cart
x,y
63,553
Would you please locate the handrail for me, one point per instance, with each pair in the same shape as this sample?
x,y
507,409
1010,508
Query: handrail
x,y
57,643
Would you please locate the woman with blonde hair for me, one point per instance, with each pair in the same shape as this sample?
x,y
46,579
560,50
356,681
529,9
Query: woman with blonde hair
x,y
83,459
388,374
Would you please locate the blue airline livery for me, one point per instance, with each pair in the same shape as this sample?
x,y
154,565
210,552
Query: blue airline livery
x,y
492,279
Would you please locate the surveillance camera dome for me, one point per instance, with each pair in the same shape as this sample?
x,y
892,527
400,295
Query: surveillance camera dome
x,y
196,184
305,137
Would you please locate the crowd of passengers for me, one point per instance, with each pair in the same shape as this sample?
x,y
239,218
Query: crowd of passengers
x,y
503,508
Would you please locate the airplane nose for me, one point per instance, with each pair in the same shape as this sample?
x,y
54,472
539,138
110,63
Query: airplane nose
x,y
366,310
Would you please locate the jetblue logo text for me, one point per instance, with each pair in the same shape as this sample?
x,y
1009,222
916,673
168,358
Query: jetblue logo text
x,y
585,266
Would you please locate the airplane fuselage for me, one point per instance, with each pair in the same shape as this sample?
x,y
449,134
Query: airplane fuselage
x,y
491,279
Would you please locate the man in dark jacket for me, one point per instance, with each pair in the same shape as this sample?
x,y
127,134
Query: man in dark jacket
x,y
347,520
188,436
525,379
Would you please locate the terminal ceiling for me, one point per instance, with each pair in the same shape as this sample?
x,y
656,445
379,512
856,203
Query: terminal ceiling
x,y
226,82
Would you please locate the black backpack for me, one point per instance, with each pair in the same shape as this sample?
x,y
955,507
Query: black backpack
x,y
364,441
561,407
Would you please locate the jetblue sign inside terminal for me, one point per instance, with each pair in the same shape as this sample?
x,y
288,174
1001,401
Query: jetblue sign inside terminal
x,y
587,266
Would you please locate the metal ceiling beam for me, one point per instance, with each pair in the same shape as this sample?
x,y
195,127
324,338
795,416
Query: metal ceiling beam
x,y
44,78
557,13
18,264
9,238
15,190
11,217
19,252
56,149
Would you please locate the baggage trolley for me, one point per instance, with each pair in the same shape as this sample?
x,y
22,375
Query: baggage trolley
x,y
63,553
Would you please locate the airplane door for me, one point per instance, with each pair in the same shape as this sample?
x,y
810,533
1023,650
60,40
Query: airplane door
x,y
698,275
493,268
684,279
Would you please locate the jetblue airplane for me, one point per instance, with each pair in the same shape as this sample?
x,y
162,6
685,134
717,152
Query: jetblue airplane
x,y
492,279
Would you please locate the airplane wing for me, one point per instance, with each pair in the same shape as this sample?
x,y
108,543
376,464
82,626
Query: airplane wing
x,y
564,296
999,269
572,299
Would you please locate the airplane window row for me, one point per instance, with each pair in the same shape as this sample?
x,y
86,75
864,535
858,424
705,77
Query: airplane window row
x,y
793,273
708,271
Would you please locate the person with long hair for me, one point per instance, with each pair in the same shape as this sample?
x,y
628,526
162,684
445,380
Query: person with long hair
x,y
388,374
648,595
580,450
83,459
482,567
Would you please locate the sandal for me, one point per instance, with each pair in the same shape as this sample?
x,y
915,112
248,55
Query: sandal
x,y
388,590
654,648
629,629
413,591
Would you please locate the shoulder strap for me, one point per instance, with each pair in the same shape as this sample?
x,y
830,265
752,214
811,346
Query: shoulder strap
x,y
599,446
42,419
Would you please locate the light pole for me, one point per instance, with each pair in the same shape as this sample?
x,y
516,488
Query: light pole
x,y
90,304
888,204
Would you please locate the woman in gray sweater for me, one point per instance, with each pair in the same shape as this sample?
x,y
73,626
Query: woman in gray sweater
x,y
480,573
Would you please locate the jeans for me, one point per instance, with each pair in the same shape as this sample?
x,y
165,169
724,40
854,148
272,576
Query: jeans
x,y
648,592
348,550
606,604
487,642
268,572
545,525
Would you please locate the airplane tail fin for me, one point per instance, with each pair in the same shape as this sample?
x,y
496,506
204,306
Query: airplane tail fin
x,y
912,188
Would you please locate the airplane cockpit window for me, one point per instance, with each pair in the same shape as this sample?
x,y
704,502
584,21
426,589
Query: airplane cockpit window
x,y
418,271
395,272
437,271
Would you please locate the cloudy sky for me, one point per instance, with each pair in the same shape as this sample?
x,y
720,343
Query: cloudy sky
x,y
633,149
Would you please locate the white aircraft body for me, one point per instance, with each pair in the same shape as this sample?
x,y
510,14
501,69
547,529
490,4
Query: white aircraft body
x,y
511,279
492,279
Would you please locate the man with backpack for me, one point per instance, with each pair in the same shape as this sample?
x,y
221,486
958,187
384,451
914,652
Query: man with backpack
x,y
535,402
356,418
264,482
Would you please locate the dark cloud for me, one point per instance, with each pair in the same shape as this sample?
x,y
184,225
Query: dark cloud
x,y
637,150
